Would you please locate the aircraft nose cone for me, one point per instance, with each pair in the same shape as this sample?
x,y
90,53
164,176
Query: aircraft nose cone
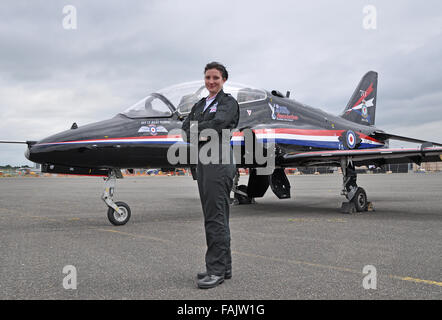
x,y
28,150
28,153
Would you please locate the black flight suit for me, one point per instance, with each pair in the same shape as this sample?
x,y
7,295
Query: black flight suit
x,y
215,180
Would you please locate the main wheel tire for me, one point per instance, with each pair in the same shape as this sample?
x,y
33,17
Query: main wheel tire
x,y
360,200
119,219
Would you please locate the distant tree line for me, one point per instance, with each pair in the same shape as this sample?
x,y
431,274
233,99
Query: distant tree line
x,y
9,167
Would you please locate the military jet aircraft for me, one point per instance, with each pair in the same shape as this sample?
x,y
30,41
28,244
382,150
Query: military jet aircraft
x,y
303,136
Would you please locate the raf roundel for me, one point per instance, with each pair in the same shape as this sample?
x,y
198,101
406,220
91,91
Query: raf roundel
x,y
153,130
351,139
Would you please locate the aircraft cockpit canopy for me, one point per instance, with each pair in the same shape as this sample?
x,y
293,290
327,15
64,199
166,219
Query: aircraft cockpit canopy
x,y
153,106
183,96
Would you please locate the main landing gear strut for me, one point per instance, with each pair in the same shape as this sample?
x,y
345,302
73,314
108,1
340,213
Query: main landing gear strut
x,y
240,192
357,197
118,212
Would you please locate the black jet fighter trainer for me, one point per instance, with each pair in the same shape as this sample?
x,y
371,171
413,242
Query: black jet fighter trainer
x,y
304,136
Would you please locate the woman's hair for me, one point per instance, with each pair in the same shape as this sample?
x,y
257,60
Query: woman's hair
x,y
219,67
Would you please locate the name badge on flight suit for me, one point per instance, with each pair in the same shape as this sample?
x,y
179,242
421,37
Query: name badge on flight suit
x,y
213,108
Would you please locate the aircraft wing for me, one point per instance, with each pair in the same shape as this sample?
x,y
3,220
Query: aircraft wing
x,y
379,135
378,157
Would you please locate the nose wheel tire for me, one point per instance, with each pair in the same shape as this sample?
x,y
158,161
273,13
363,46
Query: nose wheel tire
x,y
360,200
119,219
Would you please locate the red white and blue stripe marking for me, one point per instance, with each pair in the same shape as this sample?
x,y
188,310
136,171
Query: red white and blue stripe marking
x,y
164,139
328,139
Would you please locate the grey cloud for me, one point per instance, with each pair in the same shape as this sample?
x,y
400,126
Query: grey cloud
x,y
123,50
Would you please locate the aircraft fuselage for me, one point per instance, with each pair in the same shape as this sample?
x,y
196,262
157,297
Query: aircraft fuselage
x,y
123,142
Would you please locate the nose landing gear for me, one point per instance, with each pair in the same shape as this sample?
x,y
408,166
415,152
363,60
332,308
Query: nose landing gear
x,y
118,212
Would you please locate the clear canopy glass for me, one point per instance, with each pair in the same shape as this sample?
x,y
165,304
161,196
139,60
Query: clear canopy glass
x,y
153,106
183,96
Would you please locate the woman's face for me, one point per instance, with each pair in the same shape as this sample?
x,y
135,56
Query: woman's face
x,y
214,81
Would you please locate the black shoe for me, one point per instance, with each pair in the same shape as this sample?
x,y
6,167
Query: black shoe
x,y
227,275
210,281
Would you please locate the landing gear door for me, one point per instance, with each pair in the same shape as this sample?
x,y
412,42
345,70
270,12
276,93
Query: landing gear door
x,y
280,184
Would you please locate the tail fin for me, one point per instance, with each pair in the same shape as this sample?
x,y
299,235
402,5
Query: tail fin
x,y
362,105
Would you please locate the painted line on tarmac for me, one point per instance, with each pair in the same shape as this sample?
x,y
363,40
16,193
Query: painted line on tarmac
x,y
310,264
42,218
430,282
436,283
18,214
136,235
296,262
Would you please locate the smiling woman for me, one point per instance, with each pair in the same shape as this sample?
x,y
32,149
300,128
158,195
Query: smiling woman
x,y
183,96
216,112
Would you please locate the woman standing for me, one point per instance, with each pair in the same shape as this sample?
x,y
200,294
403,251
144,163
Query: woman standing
x,y
217,111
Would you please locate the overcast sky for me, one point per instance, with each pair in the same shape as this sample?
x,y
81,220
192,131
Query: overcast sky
x,y
51,77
